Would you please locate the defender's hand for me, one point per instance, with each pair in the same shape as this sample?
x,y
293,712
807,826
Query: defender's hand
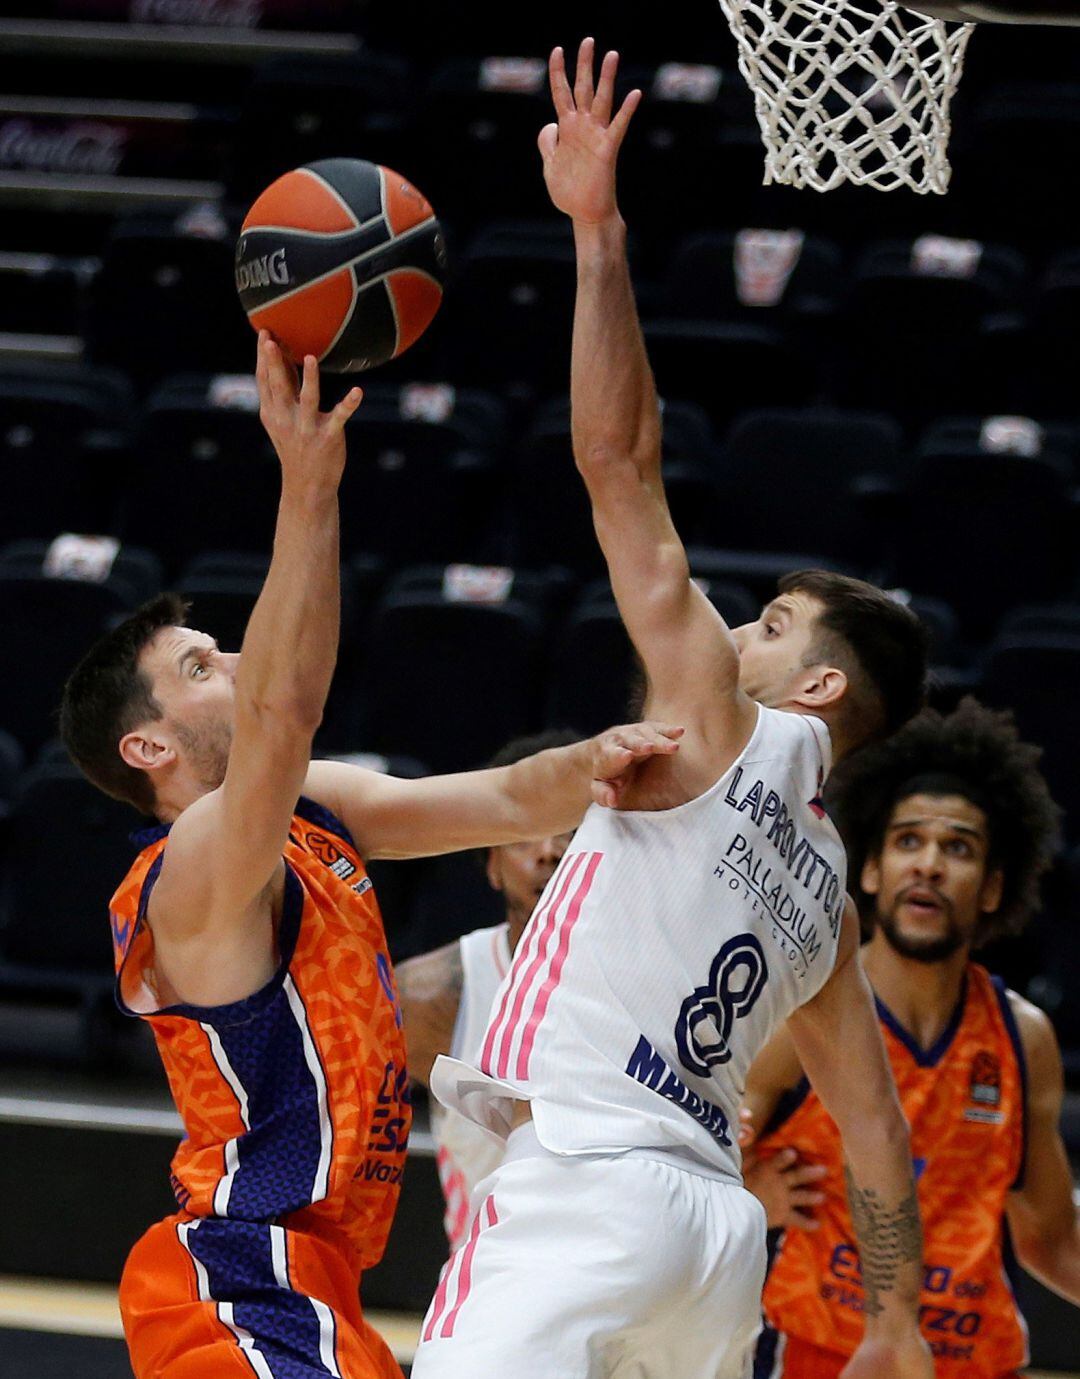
x,y
310,444
580,151
904,1357
619,751
784,1185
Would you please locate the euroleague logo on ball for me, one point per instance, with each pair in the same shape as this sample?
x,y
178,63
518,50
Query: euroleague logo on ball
x,y
262,271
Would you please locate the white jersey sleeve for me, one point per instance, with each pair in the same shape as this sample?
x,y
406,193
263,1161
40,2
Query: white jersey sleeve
x,y
664,952
466,1153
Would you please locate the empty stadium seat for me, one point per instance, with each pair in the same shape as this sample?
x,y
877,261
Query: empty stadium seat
x,y
1035,674
922,317
63,431
509,309
421,483
776,464
45,626
133,571
731,366
301,108
985,531
551,522
431,658
204,474
477,139
164,299
753,273
55,949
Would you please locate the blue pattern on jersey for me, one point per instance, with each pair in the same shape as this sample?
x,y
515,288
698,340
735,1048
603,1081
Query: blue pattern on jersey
x,y
279,1156
239,1264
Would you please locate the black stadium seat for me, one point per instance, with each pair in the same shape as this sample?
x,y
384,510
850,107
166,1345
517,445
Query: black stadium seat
x,y
993,531
422,474
431,660
731,366
509,309
55,948
1035,674
479,123
753,273
63,431
925,319
550,520
775,464
33,609
164,300
300,108
204,474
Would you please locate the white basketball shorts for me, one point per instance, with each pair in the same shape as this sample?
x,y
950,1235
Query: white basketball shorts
x,y
599,1267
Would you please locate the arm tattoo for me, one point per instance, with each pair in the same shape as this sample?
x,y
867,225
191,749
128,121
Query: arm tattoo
x,y
888,1239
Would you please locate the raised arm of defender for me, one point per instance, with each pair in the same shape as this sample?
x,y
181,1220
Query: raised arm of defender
x,y
690,659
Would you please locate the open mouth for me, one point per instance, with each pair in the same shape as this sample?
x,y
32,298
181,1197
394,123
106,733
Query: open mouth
x,y
924,902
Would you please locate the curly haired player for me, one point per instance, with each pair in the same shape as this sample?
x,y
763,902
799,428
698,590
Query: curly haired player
x,y
949,826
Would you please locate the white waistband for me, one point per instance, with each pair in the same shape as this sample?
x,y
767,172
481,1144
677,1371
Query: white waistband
x,y
524,1143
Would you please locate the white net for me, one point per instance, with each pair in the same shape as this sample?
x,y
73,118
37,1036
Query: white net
x,y
850,92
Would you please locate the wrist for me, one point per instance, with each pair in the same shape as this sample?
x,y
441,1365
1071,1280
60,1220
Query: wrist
x,y
600,237
309,491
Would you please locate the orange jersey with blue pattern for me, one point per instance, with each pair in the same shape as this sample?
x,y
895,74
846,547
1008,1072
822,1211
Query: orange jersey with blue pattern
x,y
294,1100
965,1102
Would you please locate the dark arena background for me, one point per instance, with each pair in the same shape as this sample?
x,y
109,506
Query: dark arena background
x,y
888,386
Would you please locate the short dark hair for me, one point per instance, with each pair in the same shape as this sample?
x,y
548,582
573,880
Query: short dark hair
x,y
975,751
878,642
107,695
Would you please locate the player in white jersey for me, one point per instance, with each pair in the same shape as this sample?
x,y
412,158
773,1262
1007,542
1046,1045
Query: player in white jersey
x,y
680,929
446,996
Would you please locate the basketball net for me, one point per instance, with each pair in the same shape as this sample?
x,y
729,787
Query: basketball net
x,y
850,92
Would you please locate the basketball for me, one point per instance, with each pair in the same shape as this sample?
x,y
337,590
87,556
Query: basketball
x,y
342,259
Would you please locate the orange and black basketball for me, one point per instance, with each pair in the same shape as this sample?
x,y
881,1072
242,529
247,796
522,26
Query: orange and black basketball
x,y
341,259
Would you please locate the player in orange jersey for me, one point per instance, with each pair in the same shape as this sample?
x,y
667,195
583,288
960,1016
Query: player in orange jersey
x,y
948,825
248,935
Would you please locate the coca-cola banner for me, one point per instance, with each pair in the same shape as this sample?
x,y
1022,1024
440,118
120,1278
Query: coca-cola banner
x,y
109,147
227,14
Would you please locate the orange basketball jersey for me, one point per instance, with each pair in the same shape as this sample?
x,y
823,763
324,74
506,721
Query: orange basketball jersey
x,y
964,1100
294,1101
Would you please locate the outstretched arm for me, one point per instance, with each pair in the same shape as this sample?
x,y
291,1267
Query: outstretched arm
x,y
1043,1219
856,1087
539,796
690,658
210,907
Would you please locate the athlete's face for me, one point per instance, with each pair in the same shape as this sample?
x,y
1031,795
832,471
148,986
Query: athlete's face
x,y
932,880
193,681
774,650
521,871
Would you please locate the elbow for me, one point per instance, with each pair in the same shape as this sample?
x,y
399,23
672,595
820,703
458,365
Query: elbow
x,y
289,716
604,461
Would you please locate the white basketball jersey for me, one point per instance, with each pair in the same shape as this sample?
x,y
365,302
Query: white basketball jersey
x,y
664,952
465,1153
